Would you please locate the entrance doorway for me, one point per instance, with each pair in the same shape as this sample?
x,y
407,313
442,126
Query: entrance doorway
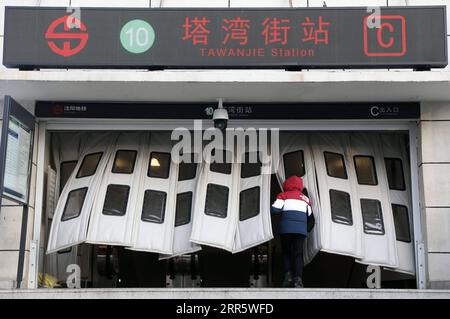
x,y
359,181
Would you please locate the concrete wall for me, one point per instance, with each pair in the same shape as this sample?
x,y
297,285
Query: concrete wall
x,y
434,167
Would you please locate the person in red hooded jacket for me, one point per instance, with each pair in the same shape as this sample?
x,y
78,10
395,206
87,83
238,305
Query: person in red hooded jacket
x,y
294,208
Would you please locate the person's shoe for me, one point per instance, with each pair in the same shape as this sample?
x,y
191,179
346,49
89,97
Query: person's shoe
x,y
298,282
287,281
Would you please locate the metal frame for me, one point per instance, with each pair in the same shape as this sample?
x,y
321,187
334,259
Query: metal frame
x,y
410,126
65,124
33,268
419,243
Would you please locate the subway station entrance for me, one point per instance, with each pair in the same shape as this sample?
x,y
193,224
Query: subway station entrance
x,y
114,208
119,206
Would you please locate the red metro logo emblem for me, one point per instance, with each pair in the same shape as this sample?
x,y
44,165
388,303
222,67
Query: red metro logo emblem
x,y
69,24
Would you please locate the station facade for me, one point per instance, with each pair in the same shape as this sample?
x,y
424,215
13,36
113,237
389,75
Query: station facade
x,y
388,121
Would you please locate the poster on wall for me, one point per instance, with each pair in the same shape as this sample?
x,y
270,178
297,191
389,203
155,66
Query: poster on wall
x,y
15,151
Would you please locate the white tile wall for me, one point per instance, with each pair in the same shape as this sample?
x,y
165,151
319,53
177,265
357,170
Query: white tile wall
x,y
10,227
438,267
434,136
438,229
434,141
436,185
435,111
190,3
440,285
8,265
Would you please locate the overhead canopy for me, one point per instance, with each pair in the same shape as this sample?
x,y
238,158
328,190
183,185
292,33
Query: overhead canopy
x,y
234,85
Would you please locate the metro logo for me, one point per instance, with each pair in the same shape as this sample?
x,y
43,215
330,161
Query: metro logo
x,y
387,40
51,35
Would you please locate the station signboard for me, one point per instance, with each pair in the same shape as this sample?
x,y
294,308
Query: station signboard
x,y
294,38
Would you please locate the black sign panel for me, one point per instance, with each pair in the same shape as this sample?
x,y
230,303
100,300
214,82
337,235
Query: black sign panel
x,y
255,111
225,38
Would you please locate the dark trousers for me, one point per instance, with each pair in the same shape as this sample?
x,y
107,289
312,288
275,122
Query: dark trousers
x,y
292,248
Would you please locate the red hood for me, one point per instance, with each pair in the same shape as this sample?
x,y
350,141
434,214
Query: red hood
x,y
293,183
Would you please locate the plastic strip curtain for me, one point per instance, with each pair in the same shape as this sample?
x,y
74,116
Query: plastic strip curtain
x,y
216,210
378,223
114,209
153,230
396,157
221,218
66,147
341,226
186,195
55,263
353,217
66,150
73,210
254,225
327,162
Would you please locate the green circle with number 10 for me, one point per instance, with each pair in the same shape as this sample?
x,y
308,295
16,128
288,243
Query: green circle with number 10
x,y
137,36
